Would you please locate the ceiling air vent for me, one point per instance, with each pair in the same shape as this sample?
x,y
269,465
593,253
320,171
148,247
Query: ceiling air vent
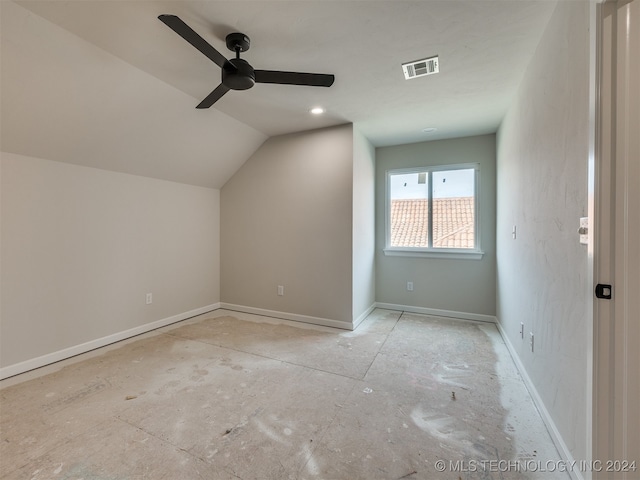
x,y
420,68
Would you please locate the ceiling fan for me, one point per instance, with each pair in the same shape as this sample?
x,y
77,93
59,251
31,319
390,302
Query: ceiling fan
x,y
237,74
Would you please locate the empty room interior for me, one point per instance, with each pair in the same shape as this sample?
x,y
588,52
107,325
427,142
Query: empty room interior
x,y
308,239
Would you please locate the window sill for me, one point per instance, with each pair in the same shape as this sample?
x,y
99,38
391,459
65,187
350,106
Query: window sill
x,y
439,253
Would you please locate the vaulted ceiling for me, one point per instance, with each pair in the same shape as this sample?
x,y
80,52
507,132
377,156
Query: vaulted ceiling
x,y
106,84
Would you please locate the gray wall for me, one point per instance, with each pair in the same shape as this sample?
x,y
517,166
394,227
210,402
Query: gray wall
x,y
286,219
542,189
364,171
466,286
81,247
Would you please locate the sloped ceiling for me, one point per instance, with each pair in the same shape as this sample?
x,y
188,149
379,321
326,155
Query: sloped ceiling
x,y
106,84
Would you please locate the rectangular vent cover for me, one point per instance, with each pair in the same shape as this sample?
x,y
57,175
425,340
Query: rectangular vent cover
x,y
420,68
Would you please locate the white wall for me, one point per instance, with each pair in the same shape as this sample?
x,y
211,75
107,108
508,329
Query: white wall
x,y
88,107
286,219
462,286
542,189
364,171
80,248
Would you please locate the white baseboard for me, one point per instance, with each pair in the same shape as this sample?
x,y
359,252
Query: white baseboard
x,y
364,315
289,316
438,313
32,364
561,446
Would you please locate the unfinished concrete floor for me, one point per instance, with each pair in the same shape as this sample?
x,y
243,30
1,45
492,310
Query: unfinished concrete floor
x,y
229,395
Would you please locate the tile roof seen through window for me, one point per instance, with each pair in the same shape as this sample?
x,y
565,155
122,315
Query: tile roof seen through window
x,y
453,222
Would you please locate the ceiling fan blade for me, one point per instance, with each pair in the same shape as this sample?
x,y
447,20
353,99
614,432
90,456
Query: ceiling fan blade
x,y
214,96
294,78
186,32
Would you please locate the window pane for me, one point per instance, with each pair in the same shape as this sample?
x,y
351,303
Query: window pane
x,y
453,208
409,210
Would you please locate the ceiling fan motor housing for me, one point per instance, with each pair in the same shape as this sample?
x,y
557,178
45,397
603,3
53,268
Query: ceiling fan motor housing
x,y
237,74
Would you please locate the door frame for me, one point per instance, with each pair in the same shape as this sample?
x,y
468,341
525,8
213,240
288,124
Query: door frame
x,y
614,208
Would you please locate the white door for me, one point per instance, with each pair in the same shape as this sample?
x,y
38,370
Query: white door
x,y
616,399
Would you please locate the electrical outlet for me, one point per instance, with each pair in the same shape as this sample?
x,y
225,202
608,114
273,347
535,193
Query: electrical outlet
x,y
531,340
410,286
149,298
280,290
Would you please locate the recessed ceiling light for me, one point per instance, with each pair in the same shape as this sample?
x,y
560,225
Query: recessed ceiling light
x,y
429,130
317,110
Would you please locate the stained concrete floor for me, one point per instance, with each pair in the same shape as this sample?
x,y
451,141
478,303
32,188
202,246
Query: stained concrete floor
x,y
237,396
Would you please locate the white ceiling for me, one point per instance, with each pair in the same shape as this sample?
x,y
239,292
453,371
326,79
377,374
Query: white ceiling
x,y
106,84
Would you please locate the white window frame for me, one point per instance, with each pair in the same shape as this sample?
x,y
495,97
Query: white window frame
x,y
475,253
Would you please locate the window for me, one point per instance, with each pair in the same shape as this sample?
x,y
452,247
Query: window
x,y
433,211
